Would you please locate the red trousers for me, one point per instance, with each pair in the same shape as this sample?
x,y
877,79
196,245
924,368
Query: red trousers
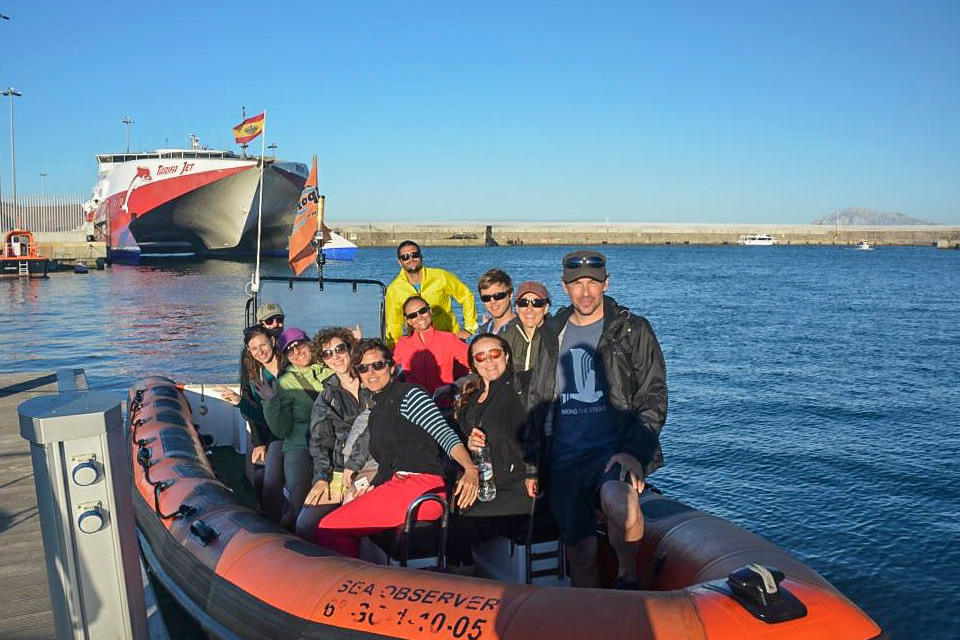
x,y
383,507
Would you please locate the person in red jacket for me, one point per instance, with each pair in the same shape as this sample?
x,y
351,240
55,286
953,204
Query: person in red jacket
x,y
429,357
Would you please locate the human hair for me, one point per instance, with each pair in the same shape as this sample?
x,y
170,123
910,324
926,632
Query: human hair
x,y
324,336
404,244
250,363
474,385
492,277
369,344
492,336
411,299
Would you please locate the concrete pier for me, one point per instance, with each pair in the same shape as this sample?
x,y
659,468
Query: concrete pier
x,y
593,233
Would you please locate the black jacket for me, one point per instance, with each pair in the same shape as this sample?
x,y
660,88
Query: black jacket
x,y
637,385
331,419
503,417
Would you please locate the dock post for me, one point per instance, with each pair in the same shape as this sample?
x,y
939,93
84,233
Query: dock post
x,y
82,476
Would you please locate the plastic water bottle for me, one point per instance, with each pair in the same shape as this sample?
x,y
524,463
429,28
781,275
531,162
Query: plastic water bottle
x,y
484,462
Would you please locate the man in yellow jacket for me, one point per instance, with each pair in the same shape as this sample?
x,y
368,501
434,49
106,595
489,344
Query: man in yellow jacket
x,y
436,286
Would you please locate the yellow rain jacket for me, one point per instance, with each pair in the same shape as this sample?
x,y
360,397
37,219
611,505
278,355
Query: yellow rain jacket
x,y
437,286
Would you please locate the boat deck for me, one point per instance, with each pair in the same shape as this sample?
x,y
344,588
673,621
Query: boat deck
x,y
26,612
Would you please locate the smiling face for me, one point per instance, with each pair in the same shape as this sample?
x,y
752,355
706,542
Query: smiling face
x,y
423,319
299,353
413,262
337,355
261,348
531,317
496,308
586,296
372,379
494,356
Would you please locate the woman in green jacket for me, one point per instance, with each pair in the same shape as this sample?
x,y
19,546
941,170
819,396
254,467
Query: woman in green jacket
x,y
287,406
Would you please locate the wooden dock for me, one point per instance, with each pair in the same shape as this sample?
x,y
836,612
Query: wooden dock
x,y
25,612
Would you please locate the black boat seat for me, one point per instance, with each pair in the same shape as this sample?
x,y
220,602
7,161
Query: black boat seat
x,y
417,539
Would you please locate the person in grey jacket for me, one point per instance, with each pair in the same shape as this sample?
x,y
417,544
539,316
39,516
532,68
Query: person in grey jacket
x,y
336,409
599,389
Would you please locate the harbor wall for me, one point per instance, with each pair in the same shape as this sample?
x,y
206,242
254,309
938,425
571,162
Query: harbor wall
x,y
475,234
69,246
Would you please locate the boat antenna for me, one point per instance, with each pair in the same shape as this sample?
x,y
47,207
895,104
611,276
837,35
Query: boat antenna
x,y
263,138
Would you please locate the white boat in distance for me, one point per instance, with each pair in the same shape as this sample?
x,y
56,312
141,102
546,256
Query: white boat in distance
x,y
192,202
756,240
863,245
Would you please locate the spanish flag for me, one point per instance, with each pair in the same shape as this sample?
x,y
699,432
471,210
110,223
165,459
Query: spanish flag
x,y
303,245
249,129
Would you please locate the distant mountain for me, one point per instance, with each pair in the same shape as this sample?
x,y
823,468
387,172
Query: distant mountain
x,y
868,217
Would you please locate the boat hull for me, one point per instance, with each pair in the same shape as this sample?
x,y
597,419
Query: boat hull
x,y
36,267
243,577
176,207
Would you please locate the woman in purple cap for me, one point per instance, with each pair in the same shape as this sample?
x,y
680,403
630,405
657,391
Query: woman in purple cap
x,y
523,334
287,405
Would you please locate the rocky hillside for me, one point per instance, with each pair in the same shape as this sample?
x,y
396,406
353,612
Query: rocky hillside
x,y
868,217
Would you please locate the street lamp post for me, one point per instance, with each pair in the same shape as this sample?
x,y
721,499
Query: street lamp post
x,y
43,186
2,17
127,121
13,93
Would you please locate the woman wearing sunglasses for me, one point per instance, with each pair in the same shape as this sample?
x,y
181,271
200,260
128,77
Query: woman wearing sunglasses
x,y
259,362
334,412
429,357
533,307
287,406
409,439
494,414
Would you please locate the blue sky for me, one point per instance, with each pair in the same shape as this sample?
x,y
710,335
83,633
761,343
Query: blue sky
x,y
740,111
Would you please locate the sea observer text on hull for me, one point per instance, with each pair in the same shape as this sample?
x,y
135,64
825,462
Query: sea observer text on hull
x,y
192,202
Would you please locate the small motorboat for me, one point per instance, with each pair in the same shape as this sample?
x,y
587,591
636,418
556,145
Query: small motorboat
x,y
863,245
242,576
756,240
20,257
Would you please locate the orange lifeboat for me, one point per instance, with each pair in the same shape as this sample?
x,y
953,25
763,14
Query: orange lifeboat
x,y
244,577
20,256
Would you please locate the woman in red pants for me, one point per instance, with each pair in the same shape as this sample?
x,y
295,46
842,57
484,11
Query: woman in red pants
x,y
409,439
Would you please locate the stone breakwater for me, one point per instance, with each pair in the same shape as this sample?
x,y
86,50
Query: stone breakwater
x,y
473,234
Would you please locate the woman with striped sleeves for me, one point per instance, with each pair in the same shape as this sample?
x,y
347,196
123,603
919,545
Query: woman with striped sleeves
x,y
409,439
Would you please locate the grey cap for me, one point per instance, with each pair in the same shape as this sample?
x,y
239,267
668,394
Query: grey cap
x,y
268,310
584,264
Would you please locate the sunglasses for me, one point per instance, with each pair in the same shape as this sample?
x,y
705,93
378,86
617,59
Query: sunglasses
x,y
494,354
487,297
295,346
419,312
413,255
594,262
273,320
539,303
339,350
379,365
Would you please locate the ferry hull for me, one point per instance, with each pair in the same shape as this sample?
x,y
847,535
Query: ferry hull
x,y
172,207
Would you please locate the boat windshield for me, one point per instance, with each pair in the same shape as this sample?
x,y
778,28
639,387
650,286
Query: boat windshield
x,y
343,303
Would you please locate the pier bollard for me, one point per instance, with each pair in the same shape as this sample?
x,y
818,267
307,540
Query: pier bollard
x,y
81,472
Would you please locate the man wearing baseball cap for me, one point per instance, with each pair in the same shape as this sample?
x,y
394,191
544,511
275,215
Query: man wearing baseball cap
x,y
270,317
599,389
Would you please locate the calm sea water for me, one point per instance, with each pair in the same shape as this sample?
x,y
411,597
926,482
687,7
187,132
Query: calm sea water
x,y
814,391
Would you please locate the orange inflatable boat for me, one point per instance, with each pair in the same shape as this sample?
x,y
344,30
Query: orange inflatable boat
x,y
242,576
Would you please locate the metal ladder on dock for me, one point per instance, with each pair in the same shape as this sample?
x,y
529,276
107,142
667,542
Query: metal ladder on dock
x,y
24,268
